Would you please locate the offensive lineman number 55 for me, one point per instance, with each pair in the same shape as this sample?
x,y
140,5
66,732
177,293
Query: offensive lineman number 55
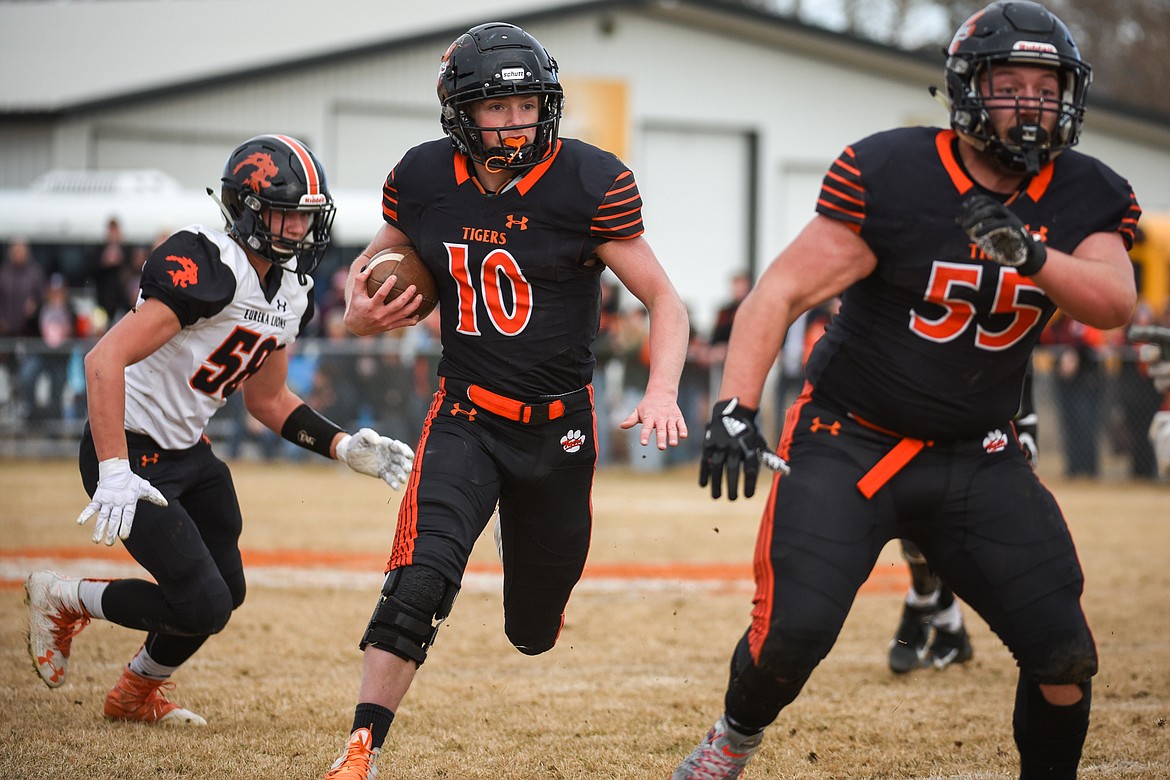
x,y
947,279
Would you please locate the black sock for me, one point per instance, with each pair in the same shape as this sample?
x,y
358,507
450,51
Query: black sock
x,y
1049,738
375,718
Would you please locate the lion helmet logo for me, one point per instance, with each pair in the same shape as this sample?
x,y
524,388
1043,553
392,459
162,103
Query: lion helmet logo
x,y
187,275
264,170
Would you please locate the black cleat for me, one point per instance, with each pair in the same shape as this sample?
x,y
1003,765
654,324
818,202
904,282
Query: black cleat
x,y
909,646
950,647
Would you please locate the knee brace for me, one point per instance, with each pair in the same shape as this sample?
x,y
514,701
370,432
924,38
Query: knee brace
x,y
414,603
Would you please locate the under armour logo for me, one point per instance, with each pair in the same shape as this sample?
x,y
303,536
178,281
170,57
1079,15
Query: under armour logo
x,y
817,425
457,410
148,460
282,304
521,223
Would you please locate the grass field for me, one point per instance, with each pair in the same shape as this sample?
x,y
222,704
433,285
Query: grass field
x,y
635,681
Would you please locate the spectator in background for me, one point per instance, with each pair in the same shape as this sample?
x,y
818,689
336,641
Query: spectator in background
x,y
605,352
1080,392
112,272
332,299
694,392
50,358
22,282
741,285
388,385
1140,401
633,350
334,390
22,285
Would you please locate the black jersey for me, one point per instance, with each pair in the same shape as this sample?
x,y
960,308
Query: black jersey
x,y
935,342
519,288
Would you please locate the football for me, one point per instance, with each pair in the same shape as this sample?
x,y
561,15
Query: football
x,y
403,262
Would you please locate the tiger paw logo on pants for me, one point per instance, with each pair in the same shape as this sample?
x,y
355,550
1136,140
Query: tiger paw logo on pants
x,y
995,441
572,441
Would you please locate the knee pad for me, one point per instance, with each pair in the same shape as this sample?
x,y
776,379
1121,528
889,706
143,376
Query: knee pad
x,y
532,639
208,614
414,603
755,695
792,660
1072,661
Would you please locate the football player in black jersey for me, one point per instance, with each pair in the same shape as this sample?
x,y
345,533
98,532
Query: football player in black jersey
x,y
950,249
214,315
516,224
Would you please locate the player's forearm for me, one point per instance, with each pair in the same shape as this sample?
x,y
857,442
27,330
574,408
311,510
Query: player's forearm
x,y
105,387
756,337
669,333
1100,293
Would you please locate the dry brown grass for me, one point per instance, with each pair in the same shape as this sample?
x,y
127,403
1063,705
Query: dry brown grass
x,y
636,679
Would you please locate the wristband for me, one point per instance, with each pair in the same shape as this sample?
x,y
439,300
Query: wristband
x,y
307,428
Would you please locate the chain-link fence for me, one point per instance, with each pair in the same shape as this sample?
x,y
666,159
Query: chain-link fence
x,y
1092,426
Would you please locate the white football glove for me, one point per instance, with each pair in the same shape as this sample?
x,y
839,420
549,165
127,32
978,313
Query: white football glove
x,y
116,500
1160,439
368,452
1026,431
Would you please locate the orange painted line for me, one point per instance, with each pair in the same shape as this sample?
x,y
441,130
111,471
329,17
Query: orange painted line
x,y
883,579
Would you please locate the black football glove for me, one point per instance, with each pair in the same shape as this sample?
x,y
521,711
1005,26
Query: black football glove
x,y
1000,234
733,442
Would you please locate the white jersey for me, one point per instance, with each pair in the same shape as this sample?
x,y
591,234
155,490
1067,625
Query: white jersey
x,y
232,322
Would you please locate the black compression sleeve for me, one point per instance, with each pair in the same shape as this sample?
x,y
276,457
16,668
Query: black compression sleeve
x,y
306,428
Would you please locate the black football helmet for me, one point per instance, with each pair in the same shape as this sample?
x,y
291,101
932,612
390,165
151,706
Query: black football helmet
x,y
267,177
492,60
1018,32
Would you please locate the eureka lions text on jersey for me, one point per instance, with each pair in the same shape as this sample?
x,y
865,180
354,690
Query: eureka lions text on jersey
x,y
231,322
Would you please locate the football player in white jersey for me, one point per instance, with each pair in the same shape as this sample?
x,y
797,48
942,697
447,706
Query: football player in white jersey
x,y
215,312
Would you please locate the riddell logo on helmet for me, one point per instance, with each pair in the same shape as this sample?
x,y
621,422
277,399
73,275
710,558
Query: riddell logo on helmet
x,y
1039,47
313,200
512,74
261,178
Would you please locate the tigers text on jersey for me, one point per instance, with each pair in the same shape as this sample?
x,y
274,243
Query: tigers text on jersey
x,y
934,343
519,287
231,322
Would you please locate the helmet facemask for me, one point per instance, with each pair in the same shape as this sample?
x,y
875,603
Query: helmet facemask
x,y
491,61
507,152
265,182
1016,33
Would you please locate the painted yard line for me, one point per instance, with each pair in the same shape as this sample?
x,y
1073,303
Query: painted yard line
x,y
295,568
